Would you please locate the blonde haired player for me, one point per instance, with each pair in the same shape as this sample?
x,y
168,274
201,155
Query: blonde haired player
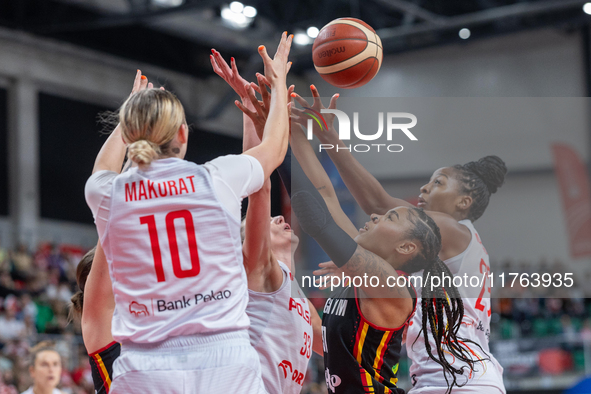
x,y
96,314
282,322
45,369
171,232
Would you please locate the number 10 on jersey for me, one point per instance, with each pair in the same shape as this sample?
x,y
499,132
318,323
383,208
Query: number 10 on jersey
x,y
179,272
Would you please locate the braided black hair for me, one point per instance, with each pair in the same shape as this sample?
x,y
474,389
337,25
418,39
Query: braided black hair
x,y
435,302
439,300
479,180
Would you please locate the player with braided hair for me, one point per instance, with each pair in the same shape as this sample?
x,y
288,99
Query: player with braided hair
x,y
479,179
454,197
363,327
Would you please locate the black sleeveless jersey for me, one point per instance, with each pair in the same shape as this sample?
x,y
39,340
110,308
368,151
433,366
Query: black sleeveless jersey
x,y
359,357
101,364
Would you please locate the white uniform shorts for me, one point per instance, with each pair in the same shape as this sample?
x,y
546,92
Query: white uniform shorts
x,y
189,365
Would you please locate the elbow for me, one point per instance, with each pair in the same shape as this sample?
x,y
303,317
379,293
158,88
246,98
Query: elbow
x,y
367,208
266,186
281,151
373,205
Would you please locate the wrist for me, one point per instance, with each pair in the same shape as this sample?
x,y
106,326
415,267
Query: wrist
x,y
278,82
279,87
330,137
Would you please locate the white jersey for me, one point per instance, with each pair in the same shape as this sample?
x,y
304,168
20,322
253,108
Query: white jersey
x,y
281,333
30,391
173,245
426,374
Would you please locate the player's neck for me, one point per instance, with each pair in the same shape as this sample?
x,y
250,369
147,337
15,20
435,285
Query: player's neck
x,y
284,255
42,390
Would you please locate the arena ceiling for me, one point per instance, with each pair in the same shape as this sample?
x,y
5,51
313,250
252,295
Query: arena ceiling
x,y
178,34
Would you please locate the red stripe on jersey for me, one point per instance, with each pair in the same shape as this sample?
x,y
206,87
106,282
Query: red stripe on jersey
x,y
100,366
102,349
382,351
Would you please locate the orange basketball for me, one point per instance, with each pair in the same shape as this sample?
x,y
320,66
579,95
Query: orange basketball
x,y
347,53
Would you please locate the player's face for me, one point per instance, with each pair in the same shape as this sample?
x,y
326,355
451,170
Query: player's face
x,y
281,233
383,234
47,369
441,194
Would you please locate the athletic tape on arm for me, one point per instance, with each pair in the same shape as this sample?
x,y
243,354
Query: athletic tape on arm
x,y
316,220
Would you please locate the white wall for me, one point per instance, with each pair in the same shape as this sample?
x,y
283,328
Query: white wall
x,y
453,130
539,63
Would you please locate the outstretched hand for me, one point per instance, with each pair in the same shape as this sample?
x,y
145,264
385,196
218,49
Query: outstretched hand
x,y
300,117
260,108
276,69
229,73
141,83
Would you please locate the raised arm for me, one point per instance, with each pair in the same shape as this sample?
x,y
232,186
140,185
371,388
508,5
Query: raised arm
x,y
271,151
263,271
317,175
385,306
112,153
364,187
98,305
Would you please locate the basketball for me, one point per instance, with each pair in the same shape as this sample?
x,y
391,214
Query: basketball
x,y
347,53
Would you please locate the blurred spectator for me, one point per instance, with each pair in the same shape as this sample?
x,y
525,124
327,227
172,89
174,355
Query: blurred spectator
x,y
4,260
567,328
45,369
11,327
29,309
22,263
6,388
586,330
6,285
35,292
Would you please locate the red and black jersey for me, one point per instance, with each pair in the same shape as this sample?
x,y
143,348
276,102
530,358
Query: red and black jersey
x,y
359,357
101,364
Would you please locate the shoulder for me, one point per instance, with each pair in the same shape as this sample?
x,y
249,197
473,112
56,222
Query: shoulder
x,y
99,184
268,278
242,174
102,177
455,236
385,314
234,162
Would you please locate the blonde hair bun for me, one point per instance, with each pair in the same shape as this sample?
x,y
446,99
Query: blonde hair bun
x,y
143,152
